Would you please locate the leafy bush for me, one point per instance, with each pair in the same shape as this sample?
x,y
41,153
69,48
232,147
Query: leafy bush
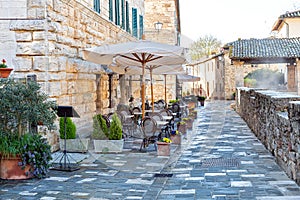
x,y
100,129
22,106
115,128
36,152
70,128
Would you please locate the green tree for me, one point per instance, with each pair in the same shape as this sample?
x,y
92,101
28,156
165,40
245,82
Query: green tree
x,y
204,46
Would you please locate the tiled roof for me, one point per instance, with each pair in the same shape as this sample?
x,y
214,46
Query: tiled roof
x,y
265,48
291,14
281,18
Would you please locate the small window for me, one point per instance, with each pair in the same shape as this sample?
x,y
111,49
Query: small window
x,y
97,6
134,22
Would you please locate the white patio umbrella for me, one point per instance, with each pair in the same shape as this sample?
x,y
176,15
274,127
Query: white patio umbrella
x,y
151,70
137,53
187,78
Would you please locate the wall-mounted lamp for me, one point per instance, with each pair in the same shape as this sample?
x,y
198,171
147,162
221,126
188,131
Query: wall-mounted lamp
x,y
158,25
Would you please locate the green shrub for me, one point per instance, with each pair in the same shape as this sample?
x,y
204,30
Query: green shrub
x,y
70,128
115,128
100,129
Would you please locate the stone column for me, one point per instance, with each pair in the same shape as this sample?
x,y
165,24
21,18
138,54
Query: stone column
x,y
292,75
239,73
122,82
297,76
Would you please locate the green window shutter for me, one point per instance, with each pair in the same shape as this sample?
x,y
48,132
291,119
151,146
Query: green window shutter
x,y
141,21
134,22
111,11
117,9
127,17
97,6
123,14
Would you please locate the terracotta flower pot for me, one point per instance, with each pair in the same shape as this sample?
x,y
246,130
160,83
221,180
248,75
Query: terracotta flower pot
x,y
10,169
5,72
163,149
181,128
176,138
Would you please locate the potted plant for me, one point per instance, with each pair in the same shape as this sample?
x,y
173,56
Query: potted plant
x,y
163,147
4,70
23,152
107,140
181,127
176,137
70,143
201,99
189,122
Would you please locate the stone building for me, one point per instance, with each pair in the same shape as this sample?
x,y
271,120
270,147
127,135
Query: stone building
x,y
161,24
45,38
270,51
287,25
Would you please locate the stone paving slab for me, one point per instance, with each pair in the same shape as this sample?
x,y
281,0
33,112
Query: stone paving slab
x,y
219,159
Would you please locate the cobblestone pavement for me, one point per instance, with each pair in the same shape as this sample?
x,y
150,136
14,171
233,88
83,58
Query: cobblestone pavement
x,y
219,159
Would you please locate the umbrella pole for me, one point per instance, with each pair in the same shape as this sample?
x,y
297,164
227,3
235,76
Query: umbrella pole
x,y
165,88
152,98
143,90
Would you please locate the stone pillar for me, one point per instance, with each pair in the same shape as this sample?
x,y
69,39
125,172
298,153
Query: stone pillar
x,y
239,73
298,76
291,80
122,82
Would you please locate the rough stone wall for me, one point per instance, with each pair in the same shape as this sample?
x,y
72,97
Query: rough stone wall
x,y
47,39
164,12
274,118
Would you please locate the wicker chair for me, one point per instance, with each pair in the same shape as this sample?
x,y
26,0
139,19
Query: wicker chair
x,y
149,129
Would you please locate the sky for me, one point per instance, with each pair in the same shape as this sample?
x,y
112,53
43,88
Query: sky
x,y
229,20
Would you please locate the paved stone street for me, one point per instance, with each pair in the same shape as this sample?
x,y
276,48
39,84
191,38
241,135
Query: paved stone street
x,y
219,159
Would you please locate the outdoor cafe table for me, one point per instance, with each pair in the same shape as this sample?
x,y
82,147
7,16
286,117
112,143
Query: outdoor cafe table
x,y
161,123
167,118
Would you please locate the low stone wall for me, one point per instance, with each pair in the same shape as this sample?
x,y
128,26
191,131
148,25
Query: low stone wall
x,y
274,117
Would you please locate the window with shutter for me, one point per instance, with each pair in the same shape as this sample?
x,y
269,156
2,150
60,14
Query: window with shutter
x,y
123,14
97,6
141,21
134,22
127,17
111,11
117,11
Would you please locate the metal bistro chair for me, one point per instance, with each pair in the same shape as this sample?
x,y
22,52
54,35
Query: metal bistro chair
x,y
176,109
163,129
129,125
137,118
149,129
167,112
161,103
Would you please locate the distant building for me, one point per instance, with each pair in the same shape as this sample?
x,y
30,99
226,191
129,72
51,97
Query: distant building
x,y
287,25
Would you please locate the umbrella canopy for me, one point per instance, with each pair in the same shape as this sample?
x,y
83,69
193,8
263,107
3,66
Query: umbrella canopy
x,y
151,70
137,53
187,78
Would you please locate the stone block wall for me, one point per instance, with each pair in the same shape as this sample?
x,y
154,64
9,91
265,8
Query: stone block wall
x,y
274,118
46,39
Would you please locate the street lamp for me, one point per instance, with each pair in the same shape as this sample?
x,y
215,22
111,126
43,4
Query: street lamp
x,y
158,25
